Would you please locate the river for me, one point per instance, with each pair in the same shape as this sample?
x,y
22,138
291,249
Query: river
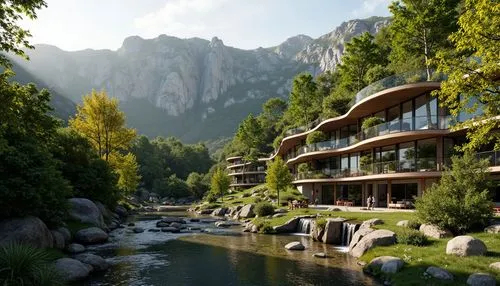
x,y
222,257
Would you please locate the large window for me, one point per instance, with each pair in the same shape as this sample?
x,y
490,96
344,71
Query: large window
x,y
344,162
407,121
393,119
426,112
407,155
354,159
426,154
404,192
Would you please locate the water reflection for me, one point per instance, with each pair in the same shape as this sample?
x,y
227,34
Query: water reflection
x,y
208,259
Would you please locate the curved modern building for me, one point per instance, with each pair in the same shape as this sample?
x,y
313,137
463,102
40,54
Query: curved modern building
x,y
246,174
395,160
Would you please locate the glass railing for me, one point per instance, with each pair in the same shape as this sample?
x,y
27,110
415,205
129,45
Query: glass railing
x,y
253,169
387,167
395,126
386,83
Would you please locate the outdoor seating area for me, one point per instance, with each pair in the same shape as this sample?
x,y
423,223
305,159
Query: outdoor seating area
x,y
295,204
344,203
404,204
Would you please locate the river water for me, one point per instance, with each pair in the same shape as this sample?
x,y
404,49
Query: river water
x,y
221,257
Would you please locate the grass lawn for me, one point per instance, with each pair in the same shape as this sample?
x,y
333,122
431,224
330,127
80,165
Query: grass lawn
x,y
417,258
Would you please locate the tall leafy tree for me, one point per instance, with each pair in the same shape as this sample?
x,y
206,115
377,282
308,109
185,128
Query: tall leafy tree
x,y
278,176
13,38
305,104
251,136
419,29
100,120
220,183
196,184
127,169
473,69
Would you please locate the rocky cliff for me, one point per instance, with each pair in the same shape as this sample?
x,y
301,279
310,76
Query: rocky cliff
x,y
191,88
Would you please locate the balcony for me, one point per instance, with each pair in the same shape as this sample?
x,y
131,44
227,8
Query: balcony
x,y
418,123
387,167
383,84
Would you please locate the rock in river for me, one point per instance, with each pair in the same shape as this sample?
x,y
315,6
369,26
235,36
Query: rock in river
x,y
96,261
72,269
29,230
91,235
295,245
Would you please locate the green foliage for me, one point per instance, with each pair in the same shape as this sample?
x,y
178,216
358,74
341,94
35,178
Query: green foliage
x,y
472,68
419,29
90,176
171,187
413,224
303,168
264,209
210,198
30,182
265,228
321,223
337,103
220,183
460,201
196,184
370,122
316,137
250,133
412,237
13,38
126,168
26,265
305,103
257,200
278,176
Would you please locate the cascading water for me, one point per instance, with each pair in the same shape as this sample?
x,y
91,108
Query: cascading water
x,y
348,230
304,225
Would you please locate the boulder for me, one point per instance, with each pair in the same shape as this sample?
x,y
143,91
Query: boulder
x,y
372,222
495,265
358,235
91,235
85,211
465,245
65,233
173,219
434,231
223,224
113,225
403,223
333,231
194,219
379,237
72,269
295,245
205,211
316,233
254,228
333,209
75,248
105,212
495,228
131,224
280,211
121,211
29,230
247,211
386,264
162,224
439,273
481,279
219,212
138,230
154,230
320,255
176,225
58,239
169,229
287,227
96,261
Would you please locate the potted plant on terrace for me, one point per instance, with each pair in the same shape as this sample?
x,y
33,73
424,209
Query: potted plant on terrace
x,y
367,125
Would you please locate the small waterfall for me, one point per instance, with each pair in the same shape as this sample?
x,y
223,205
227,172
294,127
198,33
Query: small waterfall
x,y
304,225
348,230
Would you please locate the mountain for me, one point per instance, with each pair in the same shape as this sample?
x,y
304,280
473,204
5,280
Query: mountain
x,y
191,88
63,107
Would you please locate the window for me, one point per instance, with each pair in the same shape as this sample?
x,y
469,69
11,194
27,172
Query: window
x,y
344,162
407,121
426,154
393,119
425,112
406,154
354,159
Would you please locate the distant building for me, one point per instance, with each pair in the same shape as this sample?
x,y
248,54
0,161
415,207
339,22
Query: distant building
x,y
246,175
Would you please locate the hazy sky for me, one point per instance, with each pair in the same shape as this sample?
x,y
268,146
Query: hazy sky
x,y
247,24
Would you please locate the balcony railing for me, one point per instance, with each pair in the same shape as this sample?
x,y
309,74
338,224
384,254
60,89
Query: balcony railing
x,y
386,83
400,125
387,167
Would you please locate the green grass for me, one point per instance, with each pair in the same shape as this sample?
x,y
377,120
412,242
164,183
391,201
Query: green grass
x,y
417,258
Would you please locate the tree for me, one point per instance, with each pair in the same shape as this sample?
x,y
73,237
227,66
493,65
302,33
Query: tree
x,y
460,201
419,29
100,120
278,176
473,70
30,182
195,182
127,169
220,183
90,176
273,109
305,104
12,37
361,54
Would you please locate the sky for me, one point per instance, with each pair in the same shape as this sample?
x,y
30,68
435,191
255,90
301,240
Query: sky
x,y
246,24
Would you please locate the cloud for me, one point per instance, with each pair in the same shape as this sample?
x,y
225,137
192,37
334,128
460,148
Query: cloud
x,y
368,7
184,18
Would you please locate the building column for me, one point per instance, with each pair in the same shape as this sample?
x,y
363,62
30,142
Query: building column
x,y
334,193
389,192
439,153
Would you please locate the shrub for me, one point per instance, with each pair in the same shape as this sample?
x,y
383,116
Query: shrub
x,y
210,206
287,197
370,122
264,209
273,196
210,197
315,137
303,168
461,199
321,223
245,195
257,200
266,228
26,265
412,237
413,224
